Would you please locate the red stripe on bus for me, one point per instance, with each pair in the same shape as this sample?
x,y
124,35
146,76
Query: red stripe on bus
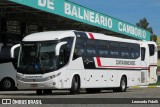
x,y
123,67
98,61
91,35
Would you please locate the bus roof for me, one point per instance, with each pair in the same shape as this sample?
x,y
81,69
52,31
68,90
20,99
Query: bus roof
x,y
56,35
49,35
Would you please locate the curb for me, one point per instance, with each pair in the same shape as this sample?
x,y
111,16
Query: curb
x,y
154,86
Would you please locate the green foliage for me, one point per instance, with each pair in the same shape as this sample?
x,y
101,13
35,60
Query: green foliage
x,y
154,38
143,23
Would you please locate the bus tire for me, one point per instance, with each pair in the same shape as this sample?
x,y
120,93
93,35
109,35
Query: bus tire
x,y
93,90
8,84
39,92
75,86
123,85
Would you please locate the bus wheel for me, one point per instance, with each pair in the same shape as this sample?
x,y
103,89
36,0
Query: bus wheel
x,y
123,85
75,86
39,92
8,84
93,90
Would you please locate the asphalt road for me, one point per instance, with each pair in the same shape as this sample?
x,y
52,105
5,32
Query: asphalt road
x,y
131,93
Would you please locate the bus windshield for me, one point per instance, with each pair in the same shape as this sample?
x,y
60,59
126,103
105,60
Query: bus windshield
x,y
37,58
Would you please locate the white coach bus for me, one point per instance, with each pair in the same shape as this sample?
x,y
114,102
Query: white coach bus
x,y
77,60
7,69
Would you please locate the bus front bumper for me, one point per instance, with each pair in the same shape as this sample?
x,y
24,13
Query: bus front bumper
x,y
38,85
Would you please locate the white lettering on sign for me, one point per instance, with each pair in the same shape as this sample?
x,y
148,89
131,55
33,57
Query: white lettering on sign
x,y
46,3
131,30
87,15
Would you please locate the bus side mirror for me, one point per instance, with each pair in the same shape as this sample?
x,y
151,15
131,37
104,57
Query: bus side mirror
x,y
14,54
57,50
15,51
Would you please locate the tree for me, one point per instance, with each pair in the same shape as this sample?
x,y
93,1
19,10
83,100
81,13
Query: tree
x,y
154,38
143,23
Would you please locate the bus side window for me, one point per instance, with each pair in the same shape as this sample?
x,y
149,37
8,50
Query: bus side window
x,y
124,50
63,56
79,48
5,53
103,51
69,41
91,48
102,47
134,51
143,52
151,49
114,50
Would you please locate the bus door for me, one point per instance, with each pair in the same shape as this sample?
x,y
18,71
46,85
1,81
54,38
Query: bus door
x,y
76,65
152,69
144,64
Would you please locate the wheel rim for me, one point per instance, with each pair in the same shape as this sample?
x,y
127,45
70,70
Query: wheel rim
x,y
7,84
123,84
76,90
76,85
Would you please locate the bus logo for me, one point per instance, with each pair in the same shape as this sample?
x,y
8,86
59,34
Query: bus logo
x,y
6,101
87,61
36,67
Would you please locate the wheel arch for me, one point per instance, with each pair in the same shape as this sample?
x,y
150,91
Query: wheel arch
x,y
12,80
8,78
79,79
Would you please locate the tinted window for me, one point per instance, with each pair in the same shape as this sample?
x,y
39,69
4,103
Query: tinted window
x,y
5,52
102,43
79,48
143,51
151,49
63,56
124,52
102,48
69,43
103,51
114,51
110,49
134,51
91,48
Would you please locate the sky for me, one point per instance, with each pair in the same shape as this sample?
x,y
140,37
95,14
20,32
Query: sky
x,y
130,11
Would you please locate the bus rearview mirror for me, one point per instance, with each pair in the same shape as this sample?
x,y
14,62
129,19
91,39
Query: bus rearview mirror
x,y
57,49
15,51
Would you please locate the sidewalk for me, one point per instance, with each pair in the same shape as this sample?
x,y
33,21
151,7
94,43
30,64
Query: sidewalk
x,y
154,86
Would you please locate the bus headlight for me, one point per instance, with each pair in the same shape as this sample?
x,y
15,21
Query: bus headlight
x,y
54,76
19,77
